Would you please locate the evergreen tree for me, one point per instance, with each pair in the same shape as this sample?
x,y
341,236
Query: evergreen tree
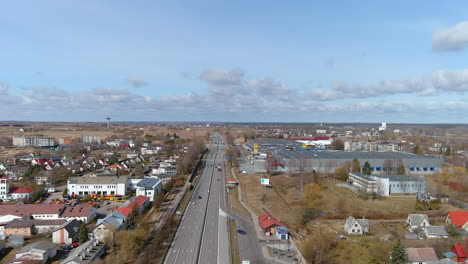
x,y
401,170
83,233
398,255
448,151
65,192
367,169
131,221
416,150
356,165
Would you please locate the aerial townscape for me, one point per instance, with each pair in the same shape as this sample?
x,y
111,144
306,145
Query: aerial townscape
x,y
233,132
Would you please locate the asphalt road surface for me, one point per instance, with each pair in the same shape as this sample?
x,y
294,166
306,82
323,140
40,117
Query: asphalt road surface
x,y
203,236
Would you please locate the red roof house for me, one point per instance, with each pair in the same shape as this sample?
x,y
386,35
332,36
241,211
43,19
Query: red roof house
x,y
140,200
460,252
268,222
21,190
459,219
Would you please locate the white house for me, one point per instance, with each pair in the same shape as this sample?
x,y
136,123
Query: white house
x,y
354,226
102,185
415,221
13,193
149,187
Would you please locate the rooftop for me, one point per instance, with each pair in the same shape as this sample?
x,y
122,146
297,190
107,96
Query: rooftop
x,y
98,180
421,254
77,211
148,183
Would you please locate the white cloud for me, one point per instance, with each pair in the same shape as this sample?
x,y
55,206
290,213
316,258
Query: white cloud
x,y
218,77
452,38
137,82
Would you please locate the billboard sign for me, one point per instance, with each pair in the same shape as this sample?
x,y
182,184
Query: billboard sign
x,y
265,181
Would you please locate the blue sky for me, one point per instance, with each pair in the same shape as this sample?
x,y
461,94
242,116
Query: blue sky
x,y
400,61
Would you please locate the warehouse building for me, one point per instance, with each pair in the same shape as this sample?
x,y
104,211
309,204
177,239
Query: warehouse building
x,y
380,162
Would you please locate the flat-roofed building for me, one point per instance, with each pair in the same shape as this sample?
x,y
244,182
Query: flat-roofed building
x,y
381,162
387,184
102,185
33,141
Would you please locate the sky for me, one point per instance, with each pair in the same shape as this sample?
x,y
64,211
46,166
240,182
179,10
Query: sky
x,y
234,61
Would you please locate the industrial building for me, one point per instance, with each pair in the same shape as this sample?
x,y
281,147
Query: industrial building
x,y
380,162
102,185
388,184
33,142
91,139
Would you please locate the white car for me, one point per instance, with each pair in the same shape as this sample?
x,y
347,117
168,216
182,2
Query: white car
x,y
245,261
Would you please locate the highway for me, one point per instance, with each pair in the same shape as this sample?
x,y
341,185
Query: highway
x,y
202,236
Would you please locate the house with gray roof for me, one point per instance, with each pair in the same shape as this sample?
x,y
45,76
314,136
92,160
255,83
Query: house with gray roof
x,y
149,187
105,227
417,221
436,232
38,251
355,226
67,232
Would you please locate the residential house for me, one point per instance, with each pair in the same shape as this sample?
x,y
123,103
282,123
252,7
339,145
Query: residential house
x,y
421,255
141,201
45,178
82,213
163,177
459,219
13,193
86,253
460,253
149,187
354,226
16,172
39,251
269,223
20,227
67,232
417,221
106,227
435,232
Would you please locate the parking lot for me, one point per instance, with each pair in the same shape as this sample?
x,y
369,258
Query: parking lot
x,y
257,168
284,255
104,207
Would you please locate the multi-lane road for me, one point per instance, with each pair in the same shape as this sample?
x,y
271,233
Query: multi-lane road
x,y
202,236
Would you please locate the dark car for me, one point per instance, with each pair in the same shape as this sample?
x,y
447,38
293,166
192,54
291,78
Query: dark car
x,y
241,231
199,197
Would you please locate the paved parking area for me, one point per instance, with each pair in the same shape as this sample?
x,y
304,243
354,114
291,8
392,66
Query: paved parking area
x,y
257,168
284,255
58,194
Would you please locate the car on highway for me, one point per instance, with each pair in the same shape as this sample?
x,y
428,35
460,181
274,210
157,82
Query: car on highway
x,y
245,261
199,197
241,231
194,203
